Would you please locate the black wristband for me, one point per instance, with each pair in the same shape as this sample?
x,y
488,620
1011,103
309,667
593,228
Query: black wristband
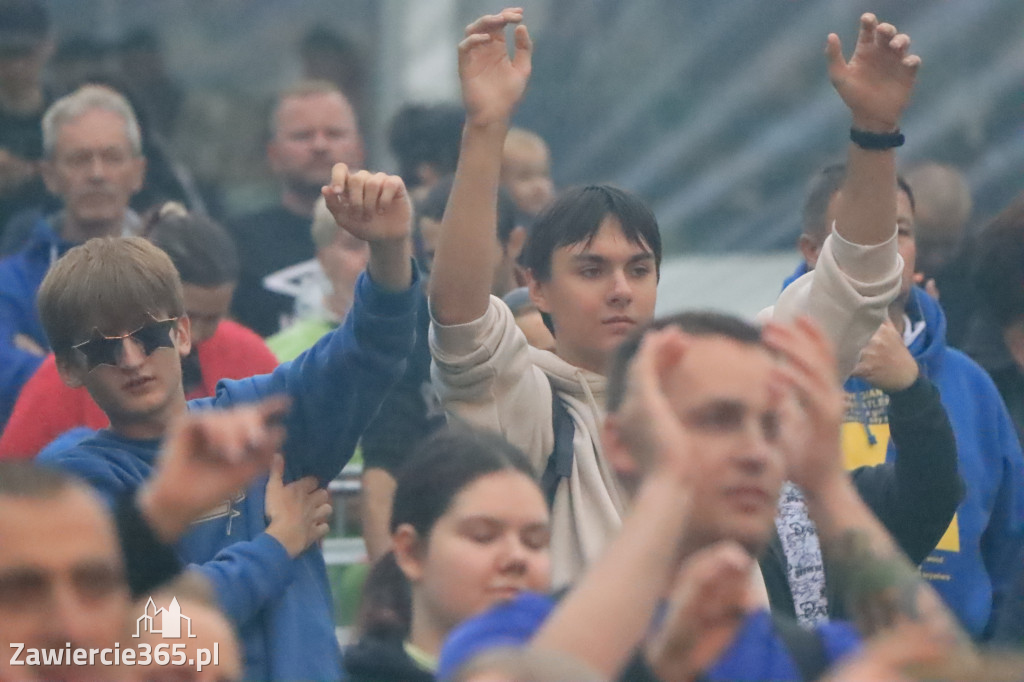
x,y
876,141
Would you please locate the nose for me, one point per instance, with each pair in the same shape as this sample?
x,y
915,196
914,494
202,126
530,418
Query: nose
x,y
69,617
132,354
97,167
513,556
621,292
755,450
320,141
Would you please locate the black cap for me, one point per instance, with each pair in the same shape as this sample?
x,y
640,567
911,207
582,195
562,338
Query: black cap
x,y
23,24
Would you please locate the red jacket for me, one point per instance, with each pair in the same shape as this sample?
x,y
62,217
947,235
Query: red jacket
x,y
46,407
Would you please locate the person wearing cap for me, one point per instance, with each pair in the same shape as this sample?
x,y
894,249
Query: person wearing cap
x,y
26,44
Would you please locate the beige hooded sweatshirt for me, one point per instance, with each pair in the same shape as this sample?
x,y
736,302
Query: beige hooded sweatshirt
x,y
487,375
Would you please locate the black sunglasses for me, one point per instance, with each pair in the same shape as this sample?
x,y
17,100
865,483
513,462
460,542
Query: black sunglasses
x,y
109,350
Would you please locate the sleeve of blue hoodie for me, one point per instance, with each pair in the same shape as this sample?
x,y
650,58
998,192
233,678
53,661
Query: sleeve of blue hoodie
x,y
336,387
1004,537
17,316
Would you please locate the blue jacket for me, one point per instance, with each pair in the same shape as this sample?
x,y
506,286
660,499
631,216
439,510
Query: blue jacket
x,y
281,607
20,277
757,652
972,564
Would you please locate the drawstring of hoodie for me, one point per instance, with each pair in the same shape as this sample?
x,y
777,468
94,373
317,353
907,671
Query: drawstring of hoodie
x,y
861,409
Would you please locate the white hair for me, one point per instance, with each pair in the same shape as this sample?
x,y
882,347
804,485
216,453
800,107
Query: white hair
x,y
82,100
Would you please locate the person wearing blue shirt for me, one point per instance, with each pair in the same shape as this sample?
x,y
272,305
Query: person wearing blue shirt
x,y
113,314
707,417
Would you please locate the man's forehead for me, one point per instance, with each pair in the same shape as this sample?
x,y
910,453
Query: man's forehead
x,y
295,109
96,119
71,514
718,367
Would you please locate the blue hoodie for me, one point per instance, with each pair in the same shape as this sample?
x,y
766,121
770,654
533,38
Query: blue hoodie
x,y
972,564
20,277
756,652
281,607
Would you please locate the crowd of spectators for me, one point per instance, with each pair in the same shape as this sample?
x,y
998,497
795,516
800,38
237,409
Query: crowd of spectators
x,y
555,483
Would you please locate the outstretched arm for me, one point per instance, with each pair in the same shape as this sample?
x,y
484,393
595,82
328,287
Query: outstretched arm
x,y
875,84
492,85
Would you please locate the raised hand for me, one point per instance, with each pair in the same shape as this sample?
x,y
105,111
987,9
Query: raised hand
x,y
876,83
645,422
298,512
885,362
493,83
811,402
374,207
709,600
208,457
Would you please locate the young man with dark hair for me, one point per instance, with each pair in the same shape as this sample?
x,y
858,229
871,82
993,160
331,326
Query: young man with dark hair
x,y
114,315
593,268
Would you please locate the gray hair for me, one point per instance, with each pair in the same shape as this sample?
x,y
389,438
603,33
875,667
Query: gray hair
x,y
85,99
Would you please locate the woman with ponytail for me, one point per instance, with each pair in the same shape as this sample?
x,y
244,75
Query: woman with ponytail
x,y
469,529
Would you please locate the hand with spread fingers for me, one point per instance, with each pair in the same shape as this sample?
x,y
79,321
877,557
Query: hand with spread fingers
x,y
492,82
876,83
207,458
646,422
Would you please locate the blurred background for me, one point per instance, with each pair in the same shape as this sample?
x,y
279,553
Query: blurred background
x,y
715,112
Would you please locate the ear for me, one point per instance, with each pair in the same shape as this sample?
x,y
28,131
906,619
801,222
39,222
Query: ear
x,y
272,159
71,373
140,173
405,543
809,248
50,177
516,240
184,328
615,451
538,292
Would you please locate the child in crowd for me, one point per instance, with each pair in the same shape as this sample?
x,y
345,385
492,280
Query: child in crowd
x,y
526,173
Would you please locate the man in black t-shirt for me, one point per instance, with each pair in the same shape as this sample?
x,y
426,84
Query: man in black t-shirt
x,y
313,126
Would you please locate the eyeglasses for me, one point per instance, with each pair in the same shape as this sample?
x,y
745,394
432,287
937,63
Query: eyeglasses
x,y
109,350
